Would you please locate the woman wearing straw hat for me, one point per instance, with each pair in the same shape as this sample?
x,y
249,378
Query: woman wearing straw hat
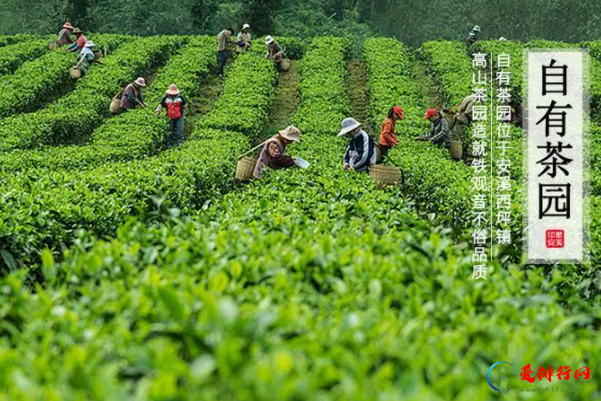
x,y
273,153
64,36
175,104
80,42
132,95
244,39
87,57
360,155
274,50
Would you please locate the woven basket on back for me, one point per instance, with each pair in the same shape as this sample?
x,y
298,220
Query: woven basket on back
x,y
75,73
456,150
245,168
285,64
115,107
386,175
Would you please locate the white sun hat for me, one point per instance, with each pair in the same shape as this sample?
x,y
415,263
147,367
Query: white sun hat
x,y
476,28
269,39
90,44
245,26
140,82
349,124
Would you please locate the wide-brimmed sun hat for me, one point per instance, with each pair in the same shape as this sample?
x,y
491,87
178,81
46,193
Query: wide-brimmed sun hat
x,y
269,39
291,133
77,30
68,25
245,26
140,82
89,44
173,90
476,28
348,124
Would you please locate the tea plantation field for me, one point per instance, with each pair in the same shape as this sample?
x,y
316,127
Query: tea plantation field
x,y
129,271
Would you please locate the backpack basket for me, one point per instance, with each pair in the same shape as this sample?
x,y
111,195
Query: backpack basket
x,y
75,73
285,64
456,150
245,168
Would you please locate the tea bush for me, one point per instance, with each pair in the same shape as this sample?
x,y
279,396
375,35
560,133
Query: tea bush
x,y
75,116
132,135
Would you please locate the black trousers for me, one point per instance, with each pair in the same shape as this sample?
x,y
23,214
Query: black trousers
x,y
221,60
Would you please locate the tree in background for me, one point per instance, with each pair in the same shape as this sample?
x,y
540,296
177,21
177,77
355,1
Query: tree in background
x,y
411,21
260,15
202,12
76,11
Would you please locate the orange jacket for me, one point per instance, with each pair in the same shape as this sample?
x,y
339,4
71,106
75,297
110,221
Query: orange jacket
x,y
388,135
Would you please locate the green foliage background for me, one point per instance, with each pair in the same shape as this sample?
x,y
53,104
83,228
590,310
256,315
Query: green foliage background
x,y
412,21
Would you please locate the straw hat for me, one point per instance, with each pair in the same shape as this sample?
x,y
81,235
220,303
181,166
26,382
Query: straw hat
x,y
77,30
245,26
269,39
291,133
349,124
68,25
89,44
173,90
140,82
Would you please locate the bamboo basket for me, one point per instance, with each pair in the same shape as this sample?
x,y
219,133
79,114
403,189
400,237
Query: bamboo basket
x,y
386,175
456,150
98,54
75,73
53,45
115,107
285,65
449,116
245,168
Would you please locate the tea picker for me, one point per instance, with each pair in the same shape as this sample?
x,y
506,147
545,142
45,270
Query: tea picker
x,y
87,58
472,37
388,136
80,42
224,39
458,121
64,37
440,131
273,155
244,39
175,104
276,53
360,154
132,95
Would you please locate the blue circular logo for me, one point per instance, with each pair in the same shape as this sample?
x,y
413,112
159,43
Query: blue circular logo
x,y
504,379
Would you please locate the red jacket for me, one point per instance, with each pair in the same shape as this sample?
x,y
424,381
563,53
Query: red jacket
x,y
81,42
388,136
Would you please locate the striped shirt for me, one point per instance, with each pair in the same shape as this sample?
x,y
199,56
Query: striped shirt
x,y
64,37
440,133
223,39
